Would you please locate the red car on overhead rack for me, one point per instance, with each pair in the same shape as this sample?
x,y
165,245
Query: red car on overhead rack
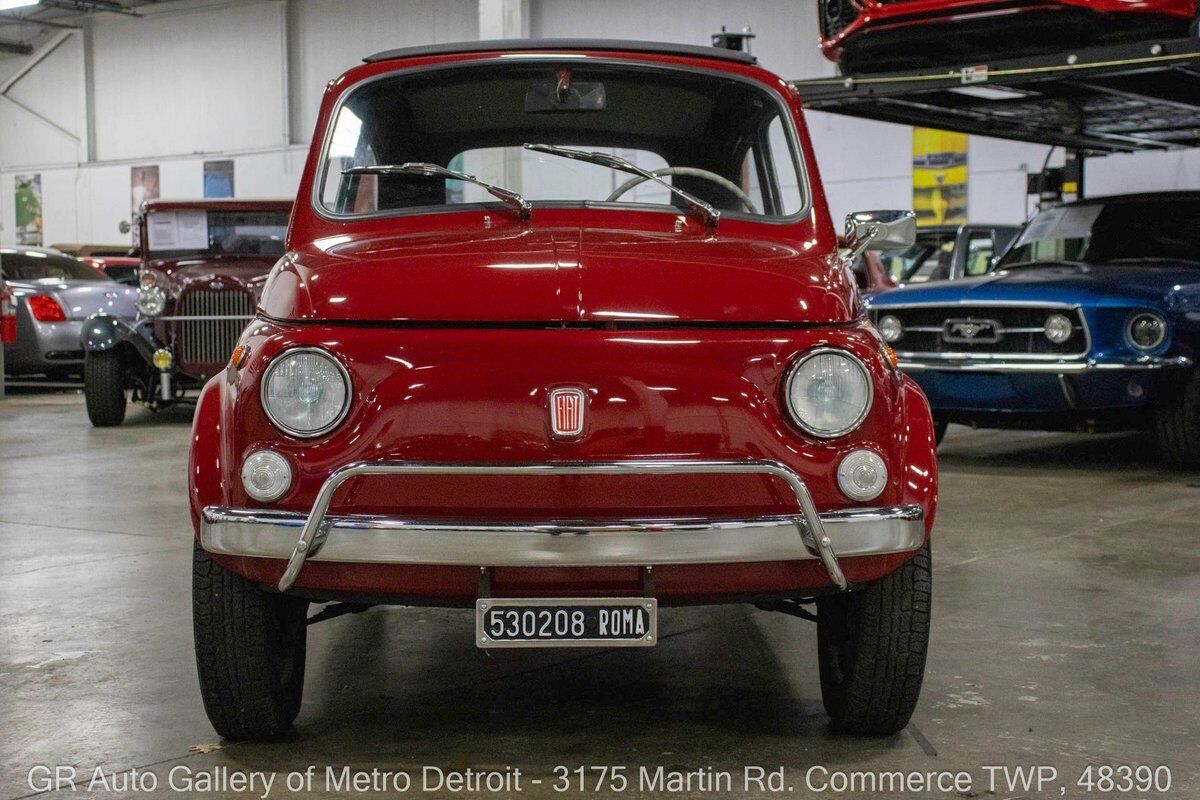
x,y
877,35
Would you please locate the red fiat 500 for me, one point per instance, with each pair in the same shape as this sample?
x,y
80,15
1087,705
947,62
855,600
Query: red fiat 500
x,y
563,334
865,35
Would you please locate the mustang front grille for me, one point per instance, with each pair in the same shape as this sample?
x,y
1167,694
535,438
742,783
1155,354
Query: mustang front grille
x,y
210,341
964,330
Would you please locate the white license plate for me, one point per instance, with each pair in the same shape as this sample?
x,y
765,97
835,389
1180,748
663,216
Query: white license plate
x,y
563,622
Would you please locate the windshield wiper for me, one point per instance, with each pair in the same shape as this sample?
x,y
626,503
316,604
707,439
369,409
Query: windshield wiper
x,y
710,214
511,198
1045,262
1153,260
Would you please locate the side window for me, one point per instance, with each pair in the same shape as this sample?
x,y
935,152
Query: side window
x,y
790,197
980,249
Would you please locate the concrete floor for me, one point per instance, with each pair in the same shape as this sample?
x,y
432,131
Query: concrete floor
x,y
1066,633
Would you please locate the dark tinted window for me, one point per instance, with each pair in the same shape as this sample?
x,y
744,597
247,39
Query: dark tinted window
x,y
1102,232
17,266
187,232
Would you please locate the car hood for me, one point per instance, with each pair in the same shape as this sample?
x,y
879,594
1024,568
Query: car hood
x,y
559,274
1098,285
81,299
250,270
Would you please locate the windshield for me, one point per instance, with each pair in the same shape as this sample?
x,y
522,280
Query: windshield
x,y
724,141
34,266
927,259
188,232
1098,233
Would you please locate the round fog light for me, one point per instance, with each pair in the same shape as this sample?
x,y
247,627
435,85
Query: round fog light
x,y
1057,328
266,475
162,358
862,475
890,328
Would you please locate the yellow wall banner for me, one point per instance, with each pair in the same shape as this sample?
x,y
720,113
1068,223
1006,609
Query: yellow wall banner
x,y
939,177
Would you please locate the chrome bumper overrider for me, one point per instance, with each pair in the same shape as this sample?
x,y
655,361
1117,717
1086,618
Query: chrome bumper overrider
x,y
977,364
318,536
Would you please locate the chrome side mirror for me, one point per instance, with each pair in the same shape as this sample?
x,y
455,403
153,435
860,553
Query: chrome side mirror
x,y
880,230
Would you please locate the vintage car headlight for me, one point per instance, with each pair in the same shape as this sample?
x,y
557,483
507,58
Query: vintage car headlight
x,y
1147,330
266,475
151,301
862,475
306,392
890,328
1058,328
828,392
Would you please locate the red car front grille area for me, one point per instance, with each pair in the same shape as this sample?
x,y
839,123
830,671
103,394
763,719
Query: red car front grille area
x,y
216,320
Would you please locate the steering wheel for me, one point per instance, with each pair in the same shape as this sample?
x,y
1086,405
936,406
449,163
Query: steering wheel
x,y
694,172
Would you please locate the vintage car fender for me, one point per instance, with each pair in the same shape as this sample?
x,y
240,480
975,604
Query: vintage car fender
x,y
104,332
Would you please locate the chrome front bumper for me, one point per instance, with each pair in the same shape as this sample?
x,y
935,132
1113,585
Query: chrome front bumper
x,y
968,363
318,536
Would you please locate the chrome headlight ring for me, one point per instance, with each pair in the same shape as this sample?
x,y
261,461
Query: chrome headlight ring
x,y
282,358
1142,323
794,374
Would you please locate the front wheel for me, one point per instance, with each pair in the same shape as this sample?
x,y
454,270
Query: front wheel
x,y
250,651
1177,424
872,645
104,388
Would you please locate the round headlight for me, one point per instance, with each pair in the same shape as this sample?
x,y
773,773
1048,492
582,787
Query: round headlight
x,y
1058,328
828,392
1147,331
890,328
151,301
266,475
862,475
306,392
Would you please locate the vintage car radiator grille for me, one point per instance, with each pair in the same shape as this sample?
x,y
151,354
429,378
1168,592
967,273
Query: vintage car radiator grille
x,y
210,341
984,330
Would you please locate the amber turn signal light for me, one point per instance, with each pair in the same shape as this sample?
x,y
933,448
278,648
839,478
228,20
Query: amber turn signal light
x,y
892,357
240,354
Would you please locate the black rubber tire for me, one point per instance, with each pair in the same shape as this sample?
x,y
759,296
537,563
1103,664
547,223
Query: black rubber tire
x,y
1177,424
250,651
939,431
872,645
104,388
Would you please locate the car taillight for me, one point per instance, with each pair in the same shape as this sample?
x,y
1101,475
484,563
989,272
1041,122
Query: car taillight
x,y
45,308
8,318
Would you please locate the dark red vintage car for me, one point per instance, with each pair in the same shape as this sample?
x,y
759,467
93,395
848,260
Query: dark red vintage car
x,y
203,265
875,35
562,334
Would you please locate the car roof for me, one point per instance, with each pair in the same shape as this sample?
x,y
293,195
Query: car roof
x,y
1139,197
217,205
531,45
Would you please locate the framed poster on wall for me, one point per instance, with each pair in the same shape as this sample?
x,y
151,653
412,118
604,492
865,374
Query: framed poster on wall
x,y
939,177
143,185
218,179
28,196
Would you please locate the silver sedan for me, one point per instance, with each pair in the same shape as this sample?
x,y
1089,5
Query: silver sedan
x,y
54,294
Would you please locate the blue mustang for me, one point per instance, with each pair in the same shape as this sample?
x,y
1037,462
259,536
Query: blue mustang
x,y
1090,320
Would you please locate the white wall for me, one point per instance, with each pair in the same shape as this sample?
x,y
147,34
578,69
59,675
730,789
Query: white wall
x,y
195,80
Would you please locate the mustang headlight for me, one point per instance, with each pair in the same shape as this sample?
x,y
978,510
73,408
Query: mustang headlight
x,y
828,392
306,392
1057,328
151,300
890,328
1147,330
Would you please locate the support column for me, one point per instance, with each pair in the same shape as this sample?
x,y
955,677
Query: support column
x,y
500,19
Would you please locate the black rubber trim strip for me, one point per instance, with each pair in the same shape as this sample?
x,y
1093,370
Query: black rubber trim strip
x,y
531,45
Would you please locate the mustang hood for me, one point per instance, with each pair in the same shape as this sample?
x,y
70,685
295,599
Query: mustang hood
x,y
1115,284
558,274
